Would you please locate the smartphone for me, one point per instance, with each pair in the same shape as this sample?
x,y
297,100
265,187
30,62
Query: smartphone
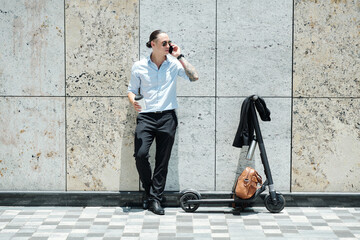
x,y
171,49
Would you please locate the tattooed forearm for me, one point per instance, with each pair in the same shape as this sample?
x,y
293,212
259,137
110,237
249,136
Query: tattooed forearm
x,y
189,70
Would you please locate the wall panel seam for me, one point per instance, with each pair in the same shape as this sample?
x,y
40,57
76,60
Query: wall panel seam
x,y
215,82
292,90
65,110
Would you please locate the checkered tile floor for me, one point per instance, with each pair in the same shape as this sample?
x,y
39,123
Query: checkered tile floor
x,y
205,223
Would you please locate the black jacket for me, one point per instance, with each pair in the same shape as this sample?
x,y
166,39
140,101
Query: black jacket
x,y
245,132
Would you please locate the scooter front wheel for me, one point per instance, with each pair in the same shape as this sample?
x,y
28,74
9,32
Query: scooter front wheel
x,y
189,207
269,204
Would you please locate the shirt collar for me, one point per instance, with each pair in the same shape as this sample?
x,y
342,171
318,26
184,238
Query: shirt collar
x,y
151,62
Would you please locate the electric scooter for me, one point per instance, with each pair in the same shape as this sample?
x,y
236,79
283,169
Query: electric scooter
x,y
190,199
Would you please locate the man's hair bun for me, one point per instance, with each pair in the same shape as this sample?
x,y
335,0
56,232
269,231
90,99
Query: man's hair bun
x,y
153,36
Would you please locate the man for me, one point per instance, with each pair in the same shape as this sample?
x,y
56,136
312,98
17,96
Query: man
x,y
155,78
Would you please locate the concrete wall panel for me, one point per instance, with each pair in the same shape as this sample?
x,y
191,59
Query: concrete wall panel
x,y
32,48
254,48
100,144
326,49
32,143
326,134
101,46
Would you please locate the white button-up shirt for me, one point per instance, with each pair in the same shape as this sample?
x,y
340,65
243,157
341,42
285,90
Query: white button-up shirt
x,y
158,86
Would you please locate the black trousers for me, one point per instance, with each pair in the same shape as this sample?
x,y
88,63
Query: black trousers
x,y
162,128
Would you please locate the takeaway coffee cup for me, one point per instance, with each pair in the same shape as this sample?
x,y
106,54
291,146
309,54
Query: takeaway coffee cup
x,y
139,98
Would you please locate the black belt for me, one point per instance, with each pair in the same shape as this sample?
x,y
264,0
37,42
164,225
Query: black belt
x,y
158,112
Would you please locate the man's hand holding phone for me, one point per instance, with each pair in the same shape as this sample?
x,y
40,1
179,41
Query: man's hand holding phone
x,y
174,50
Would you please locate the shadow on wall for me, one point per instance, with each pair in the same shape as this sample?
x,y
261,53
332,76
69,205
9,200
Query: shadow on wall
x,y
173,182
129,179
243,163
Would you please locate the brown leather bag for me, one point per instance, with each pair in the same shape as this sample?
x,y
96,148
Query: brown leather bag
x,y
247,183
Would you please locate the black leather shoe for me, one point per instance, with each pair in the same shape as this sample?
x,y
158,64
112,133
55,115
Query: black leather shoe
x,y
156,208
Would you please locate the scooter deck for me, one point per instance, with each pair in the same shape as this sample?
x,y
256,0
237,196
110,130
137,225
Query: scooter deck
x,y
219,201
229,200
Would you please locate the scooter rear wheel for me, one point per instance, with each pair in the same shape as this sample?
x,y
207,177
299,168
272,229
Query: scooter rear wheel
x,y
188,207
269,204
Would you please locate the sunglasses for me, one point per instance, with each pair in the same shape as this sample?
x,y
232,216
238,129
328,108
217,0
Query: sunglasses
x,y
164,43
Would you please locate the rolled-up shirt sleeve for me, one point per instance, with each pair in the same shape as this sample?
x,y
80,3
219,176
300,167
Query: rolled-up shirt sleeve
x,y
134,83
